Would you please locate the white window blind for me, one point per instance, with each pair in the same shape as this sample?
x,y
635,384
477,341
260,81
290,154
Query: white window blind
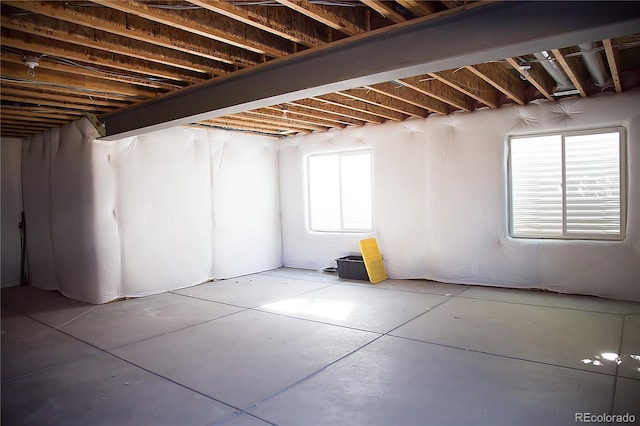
x,y
340,192
567,185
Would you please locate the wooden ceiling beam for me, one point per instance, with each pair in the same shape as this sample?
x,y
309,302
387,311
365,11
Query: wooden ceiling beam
x,y
423,105
500,78
328,119
573,68
51,122
41,102
340,20
419,8
85,101
384,9
21,129
435,89
18,134
96,59
19,71
286,114
371,102
134,27
218,28
11,115
293,27
43,110
31,112
450,3
612,59
93,95
339,113
20,126
232,120
385,99
387,95
94,39
536,76
240,127
333,106
467,83
21,122
46,64
266,117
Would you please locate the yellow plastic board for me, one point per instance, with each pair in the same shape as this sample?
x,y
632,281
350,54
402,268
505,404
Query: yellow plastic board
x,y
373,260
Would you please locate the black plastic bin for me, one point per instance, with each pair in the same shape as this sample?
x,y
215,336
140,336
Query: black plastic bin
x,y
352,268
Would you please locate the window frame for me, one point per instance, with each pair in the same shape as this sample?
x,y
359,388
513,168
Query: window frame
x,y
342,230
622,152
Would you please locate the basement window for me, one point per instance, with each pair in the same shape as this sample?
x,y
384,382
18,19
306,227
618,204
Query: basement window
x,y
339,191
568,185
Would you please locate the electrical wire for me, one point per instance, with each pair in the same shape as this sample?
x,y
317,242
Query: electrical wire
x,y
97,93
68,62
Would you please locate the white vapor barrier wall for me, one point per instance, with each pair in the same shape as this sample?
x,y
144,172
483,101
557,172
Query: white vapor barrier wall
x,y
151,213
440,200
10,151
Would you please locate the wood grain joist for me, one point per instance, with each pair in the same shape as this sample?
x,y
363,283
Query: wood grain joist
x,y
332,105
469,84
293,117
19,71
390,96
436,89
213,26
278,120
328,119
22,129
232,125
65,98
573,68
278,21
22,118
55,56
119,23
30,127
37,112
43,102
367,101
406,94
60,89
17,122
612,59
67,32
350,21
334,112
419,7
247,124
500,78
385,8
536,76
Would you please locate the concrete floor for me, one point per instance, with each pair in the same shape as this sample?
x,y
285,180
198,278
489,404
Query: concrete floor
x,y
305,348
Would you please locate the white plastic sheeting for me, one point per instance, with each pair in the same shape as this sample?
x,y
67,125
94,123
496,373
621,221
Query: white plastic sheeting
x,y
148,214
440,200
10,150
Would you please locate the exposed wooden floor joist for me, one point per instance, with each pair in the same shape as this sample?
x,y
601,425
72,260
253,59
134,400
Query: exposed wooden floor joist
x,y
101,56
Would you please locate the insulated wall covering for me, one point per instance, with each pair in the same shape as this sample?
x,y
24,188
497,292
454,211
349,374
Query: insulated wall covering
x,y
440,200
10,150
147,214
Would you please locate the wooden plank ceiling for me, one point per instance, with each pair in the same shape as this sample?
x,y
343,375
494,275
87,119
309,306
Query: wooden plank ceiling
x,y
61,60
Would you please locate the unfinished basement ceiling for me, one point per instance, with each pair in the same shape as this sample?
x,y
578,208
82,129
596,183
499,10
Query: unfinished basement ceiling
x,y
61,60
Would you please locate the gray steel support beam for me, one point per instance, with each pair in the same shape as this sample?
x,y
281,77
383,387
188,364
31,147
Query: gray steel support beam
x,y
487,33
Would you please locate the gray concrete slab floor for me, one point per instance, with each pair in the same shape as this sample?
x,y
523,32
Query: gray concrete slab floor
x,y
298,347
